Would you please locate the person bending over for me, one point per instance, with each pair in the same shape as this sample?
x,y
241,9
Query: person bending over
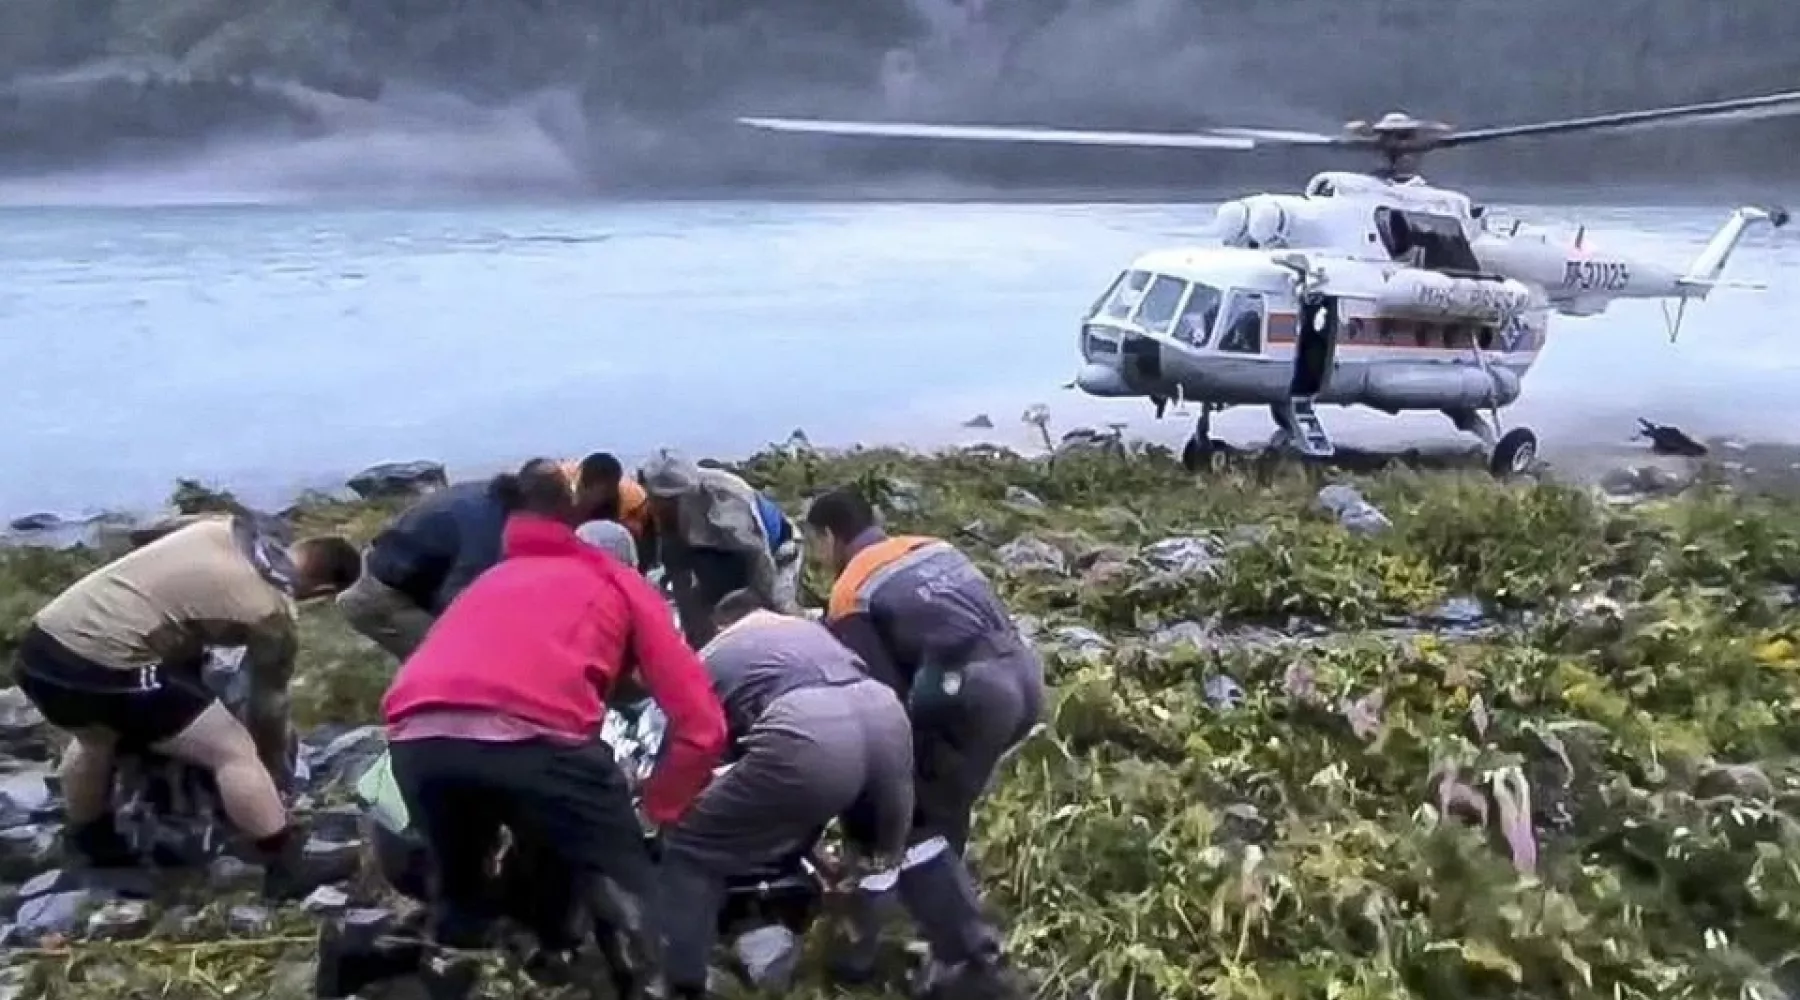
x,y
116,660
418,564
718,534
813,739
604,493
926,620
494,722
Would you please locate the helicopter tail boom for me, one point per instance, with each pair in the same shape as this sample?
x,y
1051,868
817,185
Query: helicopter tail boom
x,y
1703,275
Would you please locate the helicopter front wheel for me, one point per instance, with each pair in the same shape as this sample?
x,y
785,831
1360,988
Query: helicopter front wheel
x,y
1514,454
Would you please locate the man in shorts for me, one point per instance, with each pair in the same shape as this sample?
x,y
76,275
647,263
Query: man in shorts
x,y
115,661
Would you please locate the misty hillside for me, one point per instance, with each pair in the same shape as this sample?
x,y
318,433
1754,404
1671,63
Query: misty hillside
x,y
641,91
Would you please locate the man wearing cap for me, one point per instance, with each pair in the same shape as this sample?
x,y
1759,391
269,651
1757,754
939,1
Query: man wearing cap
x,y
718,534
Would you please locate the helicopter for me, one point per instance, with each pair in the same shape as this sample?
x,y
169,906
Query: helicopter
x,y
1371,289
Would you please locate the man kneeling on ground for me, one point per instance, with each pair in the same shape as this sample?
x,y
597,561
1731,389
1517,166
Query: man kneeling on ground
x,y
493,723
115,660
814,740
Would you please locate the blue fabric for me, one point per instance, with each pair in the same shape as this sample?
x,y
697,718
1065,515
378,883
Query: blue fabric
x,y
774,522
440,545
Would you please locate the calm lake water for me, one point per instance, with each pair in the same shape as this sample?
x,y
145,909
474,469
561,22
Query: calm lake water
x,y
274,348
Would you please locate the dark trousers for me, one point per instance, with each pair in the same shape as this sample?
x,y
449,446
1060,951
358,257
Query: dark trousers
x,y
956,750
570,814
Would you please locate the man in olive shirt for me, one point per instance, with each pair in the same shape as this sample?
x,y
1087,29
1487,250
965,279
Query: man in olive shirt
x,y
115,661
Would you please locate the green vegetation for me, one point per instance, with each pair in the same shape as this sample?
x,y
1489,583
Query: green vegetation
x,y
1593,797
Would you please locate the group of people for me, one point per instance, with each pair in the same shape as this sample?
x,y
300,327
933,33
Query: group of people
x,y
519,609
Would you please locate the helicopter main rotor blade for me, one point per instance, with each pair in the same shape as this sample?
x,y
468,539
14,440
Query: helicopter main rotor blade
x,y
1286,137
1768,105
984,133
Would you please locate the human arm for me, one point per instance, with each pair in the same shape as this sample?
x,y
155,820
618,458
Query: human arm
x,y
859,632
272,646
682,688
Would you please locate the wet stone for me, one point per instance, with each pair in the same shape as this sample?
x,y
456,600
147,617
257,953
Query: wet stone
x,y
27,850
1018,496
325,899
56,913
1356,514
1182,556
228,873
248,919
398,479
119,919
23,798
1032,555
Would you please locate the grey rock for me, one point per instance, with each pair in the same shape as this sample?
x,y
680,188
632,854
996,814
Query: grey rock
x,y
1740,780
32,523
1087,439
398,479
228,873
1223,691
979,421
1647,481
1032,555
14,980
1080,640
326,900
1356,514
56,913
24,797
1029,626
1181,635
1183,556
23,733
248,919
27,850
123,918
46,882
330,861
1019,496
1460,611
903,496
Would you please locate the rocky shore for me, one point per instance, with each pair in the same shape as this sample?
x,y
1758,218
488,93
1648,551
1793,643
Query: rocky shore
x,y
1382,733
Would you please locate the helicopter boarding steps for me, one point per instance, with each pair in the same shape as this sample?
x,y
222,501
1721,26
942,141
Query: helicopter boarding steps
x,y
1306,433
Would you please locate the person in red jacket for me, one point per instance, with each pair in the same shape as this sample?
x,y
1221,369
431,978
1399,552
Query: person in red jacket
x,y
494,723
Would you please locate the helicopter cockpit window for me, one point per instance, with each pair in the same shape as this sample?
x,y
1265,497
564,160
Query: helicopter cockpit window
x,y
1125,295
1157,313
1195,324
1244,330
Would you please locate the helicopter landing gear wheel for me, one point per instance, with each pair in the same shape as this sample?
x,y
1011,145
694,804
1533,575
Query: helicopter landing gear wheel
x,y
1514,454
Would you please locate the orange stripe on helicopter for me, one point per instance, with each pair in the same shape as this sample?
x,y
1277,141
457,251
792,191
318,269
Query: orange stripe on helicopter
x,y
1283,328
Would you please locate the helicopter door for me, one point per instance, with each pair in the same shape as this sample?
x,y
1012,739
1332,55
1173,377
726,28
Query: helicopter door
x,y
1315,348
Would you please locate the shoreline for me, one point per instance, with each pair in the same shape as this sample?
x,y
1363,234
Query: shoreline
x,y
1758,466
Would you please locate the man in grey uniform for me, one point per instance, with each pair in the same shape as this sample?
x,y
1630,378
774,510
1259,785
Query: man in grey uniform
x,y
813,739
927,622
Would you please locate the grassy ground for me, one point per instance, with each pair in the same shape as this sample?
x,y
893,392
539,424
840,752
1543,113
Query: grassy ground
x,y
1595,797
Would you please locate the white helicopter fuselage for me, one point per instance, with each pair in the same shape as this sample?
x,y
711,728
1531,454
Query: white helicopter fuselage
x,y
1435,309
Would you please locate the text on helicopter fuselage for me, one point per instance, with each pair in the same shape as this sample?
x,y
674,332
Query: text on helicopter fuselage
x,y
1595,275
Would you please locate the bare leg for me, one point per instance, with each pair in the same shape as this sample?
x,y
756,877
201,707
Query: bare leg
x,y
219,742
87,773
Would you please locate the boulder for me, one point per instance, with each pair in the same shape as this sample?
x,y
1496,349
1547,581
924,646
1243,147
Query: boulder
x,y
397,480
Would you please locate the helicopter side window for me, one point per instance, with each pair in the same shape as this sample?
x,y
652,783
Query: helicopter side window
x,y
1243,333
1127,292
1157,313
1195,324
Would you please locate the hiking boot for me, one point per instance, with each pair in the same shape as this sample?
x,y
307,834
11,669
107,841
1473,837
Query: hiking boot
x,y
285,878
347,965
447,975
99,844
